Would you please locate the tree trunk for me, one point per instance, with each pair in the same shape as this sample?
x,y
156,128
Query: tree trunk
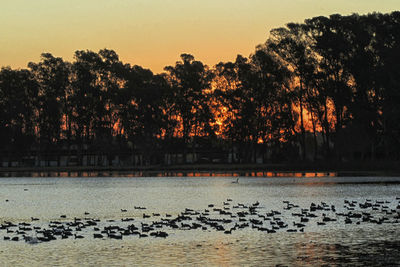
x,y
315,137
303,131
327,132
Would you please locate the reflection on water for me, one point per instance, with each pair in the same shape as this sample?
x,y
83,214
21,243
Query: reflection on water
x,y
169,174
336,244
315,249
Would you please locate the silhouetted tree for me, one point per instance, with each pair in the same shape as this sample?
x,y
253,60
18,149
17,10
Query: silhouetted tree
x,y
142,115
190,80
336,77
293,47
18,116
52,76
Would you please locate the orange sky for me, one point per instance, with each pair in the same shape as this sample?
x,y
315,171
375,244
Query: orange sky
x,y
153,33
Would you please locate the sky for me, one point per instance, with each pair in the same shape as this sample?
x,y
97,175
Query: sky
x,y
153,33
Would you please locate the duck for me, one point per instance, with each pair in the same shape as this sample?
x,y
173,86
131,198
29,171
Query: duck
x,y
31,240
95,235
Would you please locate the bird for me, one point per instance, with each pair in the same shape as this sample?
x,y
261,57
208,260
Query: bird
x,y
31,240
235,182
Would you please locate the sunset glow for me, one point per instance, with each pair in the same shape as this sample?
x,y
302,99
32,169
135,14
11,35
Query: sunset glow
x,y
153,33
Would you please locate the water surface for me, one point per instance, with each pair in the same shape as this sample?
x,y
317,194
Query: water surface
x,y
334,244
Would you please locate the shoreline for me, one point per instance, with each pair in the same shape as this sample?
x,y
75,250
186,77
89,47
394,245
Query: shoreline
x,y
342,169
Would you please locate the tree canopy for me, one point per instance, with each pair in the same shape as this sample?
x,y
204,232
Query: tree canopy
x,y
325,89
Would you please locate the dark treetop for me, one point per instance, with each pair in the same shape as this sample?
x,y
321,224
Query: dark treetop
x,y
325,89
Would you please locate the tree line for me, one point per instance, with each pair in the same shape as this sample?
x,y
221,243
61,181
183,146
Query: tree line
x,y
325,89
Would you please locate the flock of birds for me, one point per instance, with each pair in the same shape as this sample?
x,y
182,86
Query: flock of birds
x,y
225,218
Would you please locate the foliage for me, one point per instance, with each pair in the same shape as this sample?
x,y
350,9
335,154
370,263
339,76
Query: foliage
x,y
327,88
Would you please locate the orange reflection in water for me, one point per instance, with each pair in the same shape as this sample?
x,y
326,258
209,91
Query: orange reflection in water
x,y
224,253
133,174
311,252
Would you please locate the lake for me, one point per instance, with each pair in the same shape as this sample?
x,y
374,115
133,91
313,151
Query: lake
x,y
262,220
